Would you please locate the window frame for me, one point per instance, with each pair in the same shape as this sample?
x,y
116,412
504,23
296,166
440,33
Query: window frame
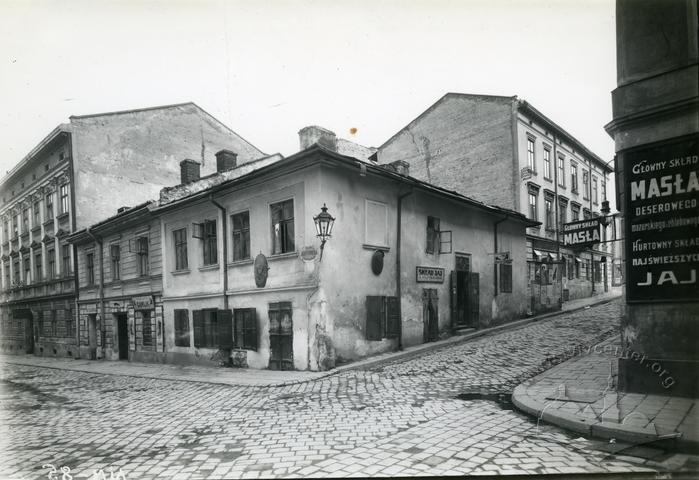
x,y
573,177
531,153
240,237
547,162
115,261
180,320
63,198
433,241
505,277
36,213
142,252
533,206
90,268
65,259
561,165
281,246
595,191
48,207
209,243
586,184
51,263
548,213
146,315
180,249
245,329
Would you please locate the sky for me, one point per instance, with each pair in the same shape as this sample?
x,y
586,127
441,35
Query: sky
x,y
269,68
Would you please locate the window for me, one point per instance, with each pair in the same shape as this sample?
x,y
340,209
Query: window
x,y
37,267
54,323
604,190
27,270
561,171
68,317
210,243
36,210
7,275
51,264
283,227
146,328
531,161
375,223
241,236
15,226
213,328
90,265
586,185
142,251
63,193
547,163
586,214
383,317
48,214
181,261
574,177
182,328
65,266
5,230
115,253
597,272
562,215
506,277
25,220
432,235
16,272
595,197
245,328
548,205
533,210
575,213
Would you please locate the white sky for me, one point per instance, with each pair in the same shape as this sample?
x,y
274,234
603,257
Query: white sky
x,y
269,68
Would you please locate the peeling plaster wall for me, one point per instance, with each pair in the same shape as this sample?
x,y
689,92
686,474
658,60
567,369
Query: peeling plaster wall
x,y
462,144
125,159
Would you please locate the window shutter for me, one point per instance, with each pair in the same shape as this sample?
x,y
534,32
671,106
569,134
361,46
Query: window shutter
x,y
392,317
444,241
374,317
198,324
182,328
250,329
224,321
197,230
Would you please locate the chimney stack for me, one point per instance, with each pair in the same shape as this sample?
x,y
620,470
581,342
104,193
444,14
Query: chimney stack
x,y
189,171
314,134
226,160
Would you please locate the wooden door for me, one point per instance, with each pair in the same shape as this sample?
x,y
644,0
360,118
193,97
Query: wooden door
x,y
123,336
281,337
29,334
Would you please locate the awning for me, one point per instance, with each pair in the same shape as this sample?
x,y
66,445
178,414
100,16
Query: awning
x,y
553,256
577,259
537,253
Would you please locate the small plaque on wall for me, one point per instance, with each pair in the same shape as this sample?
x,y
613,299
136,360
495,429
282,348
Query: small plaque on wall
x,y
429,274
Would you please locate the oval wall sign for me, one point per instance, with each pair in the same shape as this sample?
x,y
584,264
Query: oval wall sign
x,y
261,268
377,262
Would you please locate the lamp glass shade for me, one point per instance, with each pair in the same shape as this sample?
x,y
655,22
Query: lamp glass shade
x,y
324,223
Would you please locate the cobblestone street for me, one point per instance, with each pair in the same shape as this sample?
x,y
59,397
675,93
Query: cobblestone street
x,y
399,418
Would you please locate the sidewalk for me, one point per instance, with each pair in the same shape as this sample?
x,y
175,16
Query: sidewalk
x,y
261,378
581,395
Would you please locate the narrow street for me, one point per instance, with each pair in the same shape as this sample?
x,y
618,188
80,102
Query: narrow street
x,y
400,418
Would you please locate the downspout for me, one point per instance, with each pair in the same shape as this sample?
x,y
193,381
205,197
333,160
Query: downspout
x,y
98,241
74,248
398,288
557,220
224,266
495,251
591,270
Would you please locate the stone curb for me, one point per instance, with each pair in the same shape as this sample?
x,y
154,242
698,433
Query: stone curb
x,y
589,427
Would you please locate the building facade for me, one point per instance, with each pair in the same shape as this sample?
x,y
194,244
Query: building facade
x,y
502,151
656,134
245,279
79,174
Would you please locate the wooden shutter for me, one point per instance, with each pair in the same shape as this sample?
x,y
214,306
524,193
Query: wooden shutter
x,y
374,317
224,323
198,324
473,301
182,328
250,329
392,310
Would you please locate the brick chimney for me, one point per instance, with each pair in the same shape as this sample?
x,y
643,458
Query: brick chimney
x,y
226,160
314,134
189,171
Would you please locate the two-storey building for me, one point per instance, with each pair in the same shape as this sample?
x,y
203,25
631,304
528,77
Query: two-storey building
x,y
79,174
503,151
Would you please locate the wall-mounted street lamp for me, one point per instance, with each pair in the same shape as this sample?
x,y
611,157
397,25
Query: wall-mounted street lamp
x,y
606,218
324,227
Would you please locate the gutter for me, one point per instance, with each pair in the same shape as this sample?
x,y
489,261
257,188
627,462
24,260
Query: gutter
x,y
97,240
224,260
398,251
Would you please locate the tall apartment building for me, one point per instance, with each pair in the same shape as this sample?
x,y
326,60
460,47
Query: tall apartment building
x,y
79,174
503,151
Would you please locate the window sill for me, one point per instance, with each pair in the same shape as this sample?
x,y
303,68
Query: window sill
x,y
280,256
36,229
48,223
247,261
368,246
184,271
206,268
62,216
144,280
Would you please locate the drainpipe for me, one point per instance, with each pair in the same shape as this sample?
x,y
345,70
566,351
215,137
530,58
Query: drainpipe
x,y
98,241
224,266
495,251
398,289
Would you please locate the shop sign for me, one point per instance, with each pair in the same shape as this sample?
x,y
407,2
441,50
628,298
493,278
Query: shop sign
x,y
142,303
662,222
429,274
583,233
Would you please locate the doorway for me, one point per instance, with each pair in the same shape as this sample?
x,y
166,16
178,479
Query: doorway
x,y
430,315
281,336
464,294
27,319
122,336
92,335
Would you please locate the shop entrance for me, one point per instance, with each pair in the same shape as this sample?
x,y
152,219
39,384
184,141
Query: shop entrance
x,y
122,336
92,335
281,337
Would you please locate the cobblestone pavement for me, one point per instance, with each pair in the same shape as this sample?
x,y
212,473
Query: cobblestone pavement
x,y
400,418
